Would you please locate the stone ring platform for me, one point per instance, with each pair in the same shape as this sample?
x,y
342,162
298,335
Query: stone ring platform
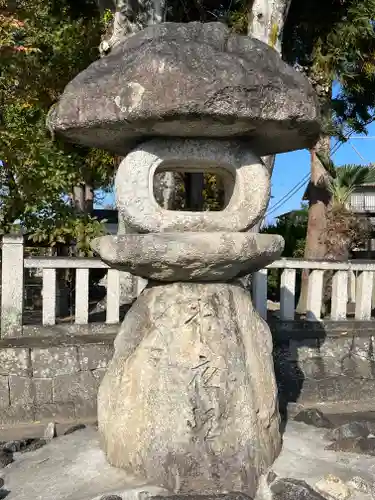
x,y
189,256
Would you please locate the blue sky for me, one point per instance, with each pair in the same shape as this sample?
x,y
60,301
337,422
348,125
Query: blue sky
x,y
291,168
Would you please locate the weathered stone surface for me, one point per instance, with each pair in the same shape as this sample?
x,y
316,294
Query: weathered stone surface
x,y
359,484
201,412
350,357
34,444
314,417
86,408
63,411
54,361
73,387
6,458
304,457
197,496
4,392
50,431
74,428
99,373
92,357
189,80
71,468
15,361
24,445
354,445
332,487
43,473
293,489
190,256
349,430
43,390
17,414
21,391
245,177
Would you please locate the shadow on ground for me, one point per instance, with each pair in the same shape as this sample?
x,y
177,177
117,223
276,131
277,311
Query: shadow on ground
x,y
288,338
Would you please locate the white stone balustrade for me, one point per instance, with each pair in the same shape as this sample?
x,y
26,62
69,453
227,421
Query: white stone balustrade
x,y
352,282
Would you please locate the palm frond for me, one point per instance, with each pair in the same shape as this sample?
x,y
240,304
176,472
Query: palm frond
x,y
348,178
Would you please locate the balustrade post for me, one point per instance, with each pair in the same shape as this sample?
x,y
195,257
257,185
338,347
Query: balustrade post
x,y
363,296
339,295
287,294
49,296
12,286
315,295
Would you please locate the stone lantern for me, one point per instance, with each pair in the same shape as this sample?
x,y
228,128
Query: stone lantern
x,y
189,401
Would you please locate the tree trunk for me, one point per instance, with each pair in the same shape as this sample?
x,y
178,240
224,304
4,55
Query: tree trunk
x,y
128,18
266,23
194,187
319,199
89,199
317,193
267,19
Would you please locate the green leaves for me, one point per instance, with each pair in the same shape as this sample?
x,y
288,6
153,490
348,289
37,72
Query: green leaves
x,y
43,45
334,41
347,179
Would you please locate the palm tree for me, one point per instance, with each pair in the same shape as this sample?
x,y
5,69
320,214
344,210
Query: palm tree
x,y
347,178
345,229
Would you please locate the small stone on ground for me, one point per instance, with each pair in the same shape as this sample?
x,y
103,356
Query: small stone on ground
x,y
74,428
305,457
365,446
23,445
50,431
313,417
333,487
349,430
6,458
293,489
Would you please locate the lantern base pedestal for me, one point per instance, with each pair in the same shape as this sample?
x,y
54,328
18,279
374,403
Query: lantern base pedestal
x,y
189,401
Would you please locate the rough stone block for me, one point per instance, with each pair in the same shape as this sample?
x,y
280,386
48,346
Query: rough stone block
x,y
4,392
93,357
63,411
299,350
247,197
21,391
86,408
17,415
99,374
54,361
80,386
43,390
15,361
191,392
336,389
190,256
216,89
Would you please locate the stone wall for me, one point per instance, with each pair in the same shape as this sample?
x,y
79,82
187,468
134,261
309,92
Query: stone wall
x,y
54,373
55,380
331,365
